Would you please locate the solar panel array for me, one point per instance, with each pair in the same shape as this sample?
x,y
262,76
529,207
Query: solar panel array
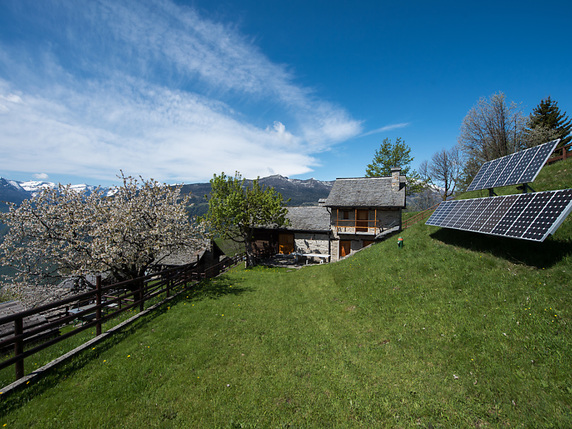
x,y
519,167
525,216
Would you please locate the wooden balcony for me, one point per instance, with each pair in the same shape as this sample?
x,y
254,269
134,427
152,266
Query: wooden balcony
x,y
351,226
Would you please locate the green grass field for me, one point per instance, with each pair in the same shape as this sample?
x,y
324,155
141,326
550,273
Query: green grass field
x,y
452,330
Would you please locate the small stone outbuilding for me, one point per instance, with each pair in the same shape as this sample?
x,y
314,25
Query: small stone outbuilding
x,y
307,234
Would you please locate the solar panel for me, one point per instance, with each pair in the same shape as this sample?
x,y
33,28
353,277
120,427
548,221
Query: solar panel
x,y
498,165
519,167
524,216
499,206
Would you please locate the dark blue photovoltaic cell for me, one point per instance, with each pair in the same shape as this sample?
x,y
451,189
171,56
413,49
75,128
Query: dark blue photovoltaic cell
x,y
487,207
552,215
475,210
522,166
538,161
497,166
461,218
517,168
526,216
513,161
512,214
440,213
453,214
481,176
501,206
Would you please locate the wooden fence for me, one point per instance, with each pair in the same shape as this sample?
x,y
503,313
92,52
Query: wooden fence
x,y
564,152
30,331
418,217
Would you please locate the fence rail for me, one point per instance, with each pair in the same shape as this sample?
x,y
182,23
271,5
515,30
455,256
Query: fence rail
x,y
418,217
91,309
565,152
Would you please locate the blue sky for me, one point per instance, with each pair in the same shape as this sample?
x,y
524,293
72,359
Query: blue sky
x,y
180,90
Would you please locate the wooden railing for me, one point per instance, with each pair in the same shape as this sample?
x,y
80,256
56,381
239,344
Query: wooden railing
x,y
26,336
352,226
564,152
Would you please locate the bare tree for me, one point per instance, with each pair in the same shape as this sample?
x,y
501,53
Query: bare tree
x,y
444,170
491,129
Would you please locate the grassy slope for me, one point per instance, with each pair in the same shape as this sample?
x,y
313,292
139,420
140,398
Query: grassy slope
x,y
454,329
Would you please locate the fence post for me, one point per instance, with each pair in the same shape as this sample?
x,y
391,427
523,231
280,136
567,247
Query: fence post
x,y
141,295
98,305
169,283
19,346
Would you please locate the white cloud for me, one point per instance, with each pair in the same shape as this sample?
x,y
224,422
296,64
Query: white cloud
x,y
41,176
160,133
386,128
151,88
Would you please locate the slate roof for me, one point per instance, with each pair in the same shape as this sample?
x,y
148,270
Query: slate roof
x,y
185,255
182,257
308,218
366,192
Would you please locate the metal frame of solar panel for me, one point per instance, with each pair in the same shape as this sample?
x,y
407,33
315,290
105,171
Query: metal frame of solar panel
x,y
517,168
531,216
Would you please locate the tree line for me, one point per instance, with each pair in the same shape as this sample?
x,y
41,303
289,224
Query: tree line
x,y
493,128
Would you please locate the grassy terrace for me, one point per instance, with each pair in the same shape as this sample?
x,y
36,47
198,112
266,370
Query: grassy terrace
x,y
453,330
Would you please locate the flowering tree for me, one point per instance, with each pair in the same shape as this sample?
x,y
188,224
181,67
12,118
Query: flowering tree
x,y
63,233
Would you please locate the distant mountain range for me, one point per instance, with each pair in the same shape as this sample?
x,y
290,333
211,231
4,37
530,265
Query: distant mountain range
x,y
300,192
14,191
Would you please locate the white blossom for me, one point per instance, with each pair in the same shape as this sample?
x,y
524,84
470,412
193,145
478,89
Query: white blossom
x,y
61,232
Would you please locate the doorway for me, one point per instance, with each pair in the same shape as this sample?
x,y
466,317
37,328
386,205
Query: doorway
x,y
285,243
345,248
362,221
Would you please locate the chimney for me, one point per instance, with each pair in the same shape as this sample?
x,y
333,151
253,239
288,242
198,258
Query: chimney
x,y
395,173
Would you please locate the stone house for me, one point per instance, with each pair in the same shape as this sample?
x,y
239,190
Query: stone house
x,y
357,212
363,210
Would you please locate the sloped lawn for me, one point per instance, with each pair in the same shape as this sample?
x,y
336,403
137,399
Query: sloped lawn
x,y
453,330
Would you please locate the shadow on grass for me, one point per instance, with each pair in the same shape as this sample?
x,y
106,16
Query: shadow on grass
x,y
215,288
206,289
534,254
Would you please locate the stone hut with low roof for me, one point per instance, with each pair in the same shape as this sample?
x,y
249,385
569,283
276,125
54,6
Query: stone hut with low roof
x,y
308,234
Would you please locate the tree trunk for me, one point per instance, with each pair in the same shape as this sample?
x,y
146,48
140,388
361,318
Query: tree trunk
x,y
249,251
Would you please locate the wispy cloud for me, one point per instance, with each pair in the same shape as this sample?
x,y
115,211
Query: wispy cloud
x,y
151,87
385,129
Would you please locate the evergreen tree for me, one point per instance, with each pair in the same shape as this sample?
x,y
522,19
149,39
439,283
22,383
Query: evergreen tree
x,y
547,120
395,155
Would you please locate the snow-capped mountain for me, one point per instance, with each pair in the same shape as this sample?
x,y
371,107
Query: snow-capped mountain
x,y
14,191
34,186
299,191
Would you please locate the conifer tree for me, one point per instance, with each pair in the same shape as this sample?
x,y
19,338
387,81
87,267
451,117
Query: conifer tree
x,y
547,122
396,154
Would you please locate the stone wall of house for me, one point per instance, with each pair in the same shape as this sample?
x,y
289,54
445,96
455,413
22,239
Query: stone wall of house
x,y
389,218
312,243
356,244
